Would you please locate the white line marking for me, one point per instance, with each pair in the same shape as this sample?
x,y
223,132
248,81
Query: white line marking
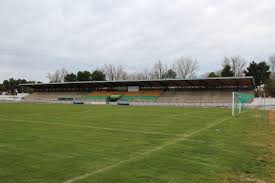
x,y
173,141
53,113
190,140
90,127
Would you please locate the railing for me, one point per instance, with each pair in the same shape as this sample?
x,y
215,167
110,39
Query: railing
x,y
257,103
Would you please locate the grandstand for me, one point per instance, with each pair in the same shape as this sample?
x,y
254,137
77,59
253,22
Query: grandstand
x,y
176,91
55,96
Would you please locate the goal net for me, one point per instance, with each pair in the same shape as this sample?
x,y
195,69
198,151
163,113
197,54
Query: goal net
x,y
239,100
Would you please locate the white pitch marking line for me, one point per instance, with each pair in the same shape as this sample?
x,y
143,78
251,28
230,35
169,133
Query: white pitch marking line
x,y
88,126
53,113
144,153
200,141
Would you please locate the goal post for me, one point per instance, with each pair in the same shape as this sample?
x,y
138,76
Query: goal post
x,y
239,100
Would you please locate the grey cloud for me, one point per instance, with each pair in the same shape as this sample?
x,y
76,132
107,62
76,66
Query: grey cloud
x,y
39,36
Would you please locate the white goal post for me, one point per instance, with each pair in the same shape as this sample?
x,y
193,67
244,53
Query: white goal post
x,y
236,106
238,101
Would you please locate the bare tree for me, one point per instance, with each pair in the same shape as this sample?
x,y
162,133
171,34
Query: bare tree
x,y
114,73
120,73
185,67
57,76
63,74
226,61
123,76
158,70
133,76
54,77
142,75
272,64
145,75
109,71
237,65
137,76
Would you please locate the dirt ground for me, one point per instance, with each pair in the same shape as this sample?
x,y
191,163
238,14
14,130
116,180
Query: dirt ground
x,y
271,118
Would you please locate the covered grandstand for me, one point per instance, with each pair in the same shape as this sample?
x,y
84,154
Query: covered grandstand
x,y
215,91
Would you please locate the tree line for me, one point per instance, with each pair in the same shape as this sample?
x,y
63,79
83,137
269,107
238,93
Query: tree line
x,y
236,67
63,75
182,68
12,85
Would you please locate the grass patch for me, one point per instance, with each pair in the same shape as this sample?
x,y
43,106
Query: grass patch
x,y
57,143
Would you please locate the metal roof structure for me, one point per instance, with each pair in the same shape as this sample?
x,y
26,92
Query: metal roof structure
x,y
201,82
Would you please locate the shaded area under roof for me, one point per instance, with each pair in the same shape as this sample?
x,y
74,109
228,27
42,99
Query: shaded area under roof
x,y
243,82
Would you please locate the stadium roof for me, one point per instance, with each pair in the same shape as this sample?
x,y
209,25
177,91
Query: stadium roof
x,y
202,82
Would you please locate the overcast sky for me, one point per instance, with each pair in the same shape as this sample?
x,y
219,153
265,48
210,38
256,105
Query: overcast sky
x,y
39,36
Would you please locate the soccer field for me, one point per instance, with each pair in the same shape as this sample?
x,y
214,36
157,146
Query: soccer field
x,y
42,143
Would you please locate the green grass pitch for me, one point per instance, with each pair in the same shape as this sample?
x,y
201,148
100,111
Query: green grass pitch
x,y
42,143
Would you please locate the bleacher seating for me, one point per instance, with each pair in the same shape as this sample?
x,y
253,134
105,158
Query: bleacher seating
x,y
127,93
157,96
140,98
94,98
137,96
196,96
54,96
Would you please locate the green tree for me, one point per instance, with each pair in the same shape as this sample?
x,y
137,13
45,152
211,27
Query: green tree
x,y
10,85
1,88
170,74
98,75
13,84
212,75
83,76
70,77
226,71
6,85
260,72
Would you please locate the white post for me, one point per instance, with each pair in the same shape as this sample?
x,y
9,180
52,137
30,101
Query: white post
x,y
240,108
265,117
233,105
